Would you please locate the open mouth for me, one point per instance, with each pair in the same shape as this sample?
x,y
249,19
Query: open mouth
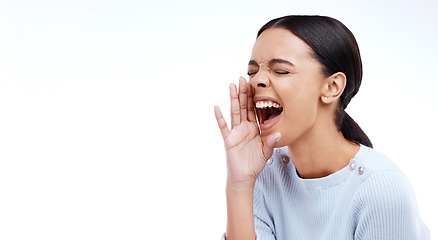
x,y
268,112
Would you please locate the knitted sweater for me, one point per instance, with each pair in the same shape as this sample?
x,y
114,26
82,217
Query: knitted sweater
x,y
369,199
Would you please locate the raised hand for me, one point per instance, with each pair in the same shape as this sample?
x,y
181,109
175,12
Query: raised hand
x,y
246,153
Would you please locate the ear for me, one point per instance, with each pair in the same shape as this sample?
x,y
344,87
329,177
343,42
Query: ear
x,y
333,87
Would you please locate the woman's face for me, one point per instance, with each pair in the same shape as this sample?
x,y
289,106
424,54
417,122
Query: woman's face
x,y
288,85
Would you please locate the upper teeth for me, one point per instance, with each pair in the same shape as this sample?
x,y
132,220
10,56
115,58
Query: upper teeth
x,y
265,104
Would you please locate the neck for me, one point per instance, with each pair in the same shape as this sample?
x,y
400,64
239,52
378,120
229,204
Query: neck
x,y
319,155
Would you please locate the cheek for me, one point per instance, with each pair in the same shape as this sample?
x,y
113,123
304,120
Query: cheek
x,y
300,104
299,115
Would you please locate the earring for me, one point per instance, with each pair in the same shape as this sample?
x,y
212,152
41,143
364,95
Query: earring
x,y
325,98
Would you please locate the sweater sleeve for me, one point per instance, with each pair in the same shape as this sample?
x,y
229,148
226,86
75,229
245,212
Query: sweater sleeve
x,y
263,231
262,220
387,209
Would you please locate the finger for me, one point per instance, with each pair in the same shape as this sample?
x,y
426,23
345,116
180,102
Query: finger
x,y
235,109
243,99
221,122
269,144
251,105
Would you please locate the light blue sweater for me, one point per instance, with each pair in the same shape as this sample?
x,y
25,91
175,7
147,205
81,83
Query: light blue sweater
x,y
369,199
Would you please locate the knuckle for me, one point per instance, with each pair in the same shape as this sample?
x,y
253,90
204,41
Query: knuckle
x,y
222,125
235,111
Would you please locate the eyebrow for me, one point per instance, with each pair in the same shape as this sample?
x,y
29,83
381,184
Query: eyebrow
x,y
252,62
272,61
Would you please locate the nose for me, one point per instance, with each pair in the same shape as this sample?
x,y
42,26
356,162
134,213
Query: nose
x,y
260,79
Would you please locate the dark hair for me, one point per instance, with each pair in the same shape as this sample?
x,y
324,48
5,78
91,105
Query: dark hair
x,y
335,47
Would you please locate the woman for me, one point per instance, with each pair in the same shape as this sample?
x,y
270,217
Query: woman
x,y
298,167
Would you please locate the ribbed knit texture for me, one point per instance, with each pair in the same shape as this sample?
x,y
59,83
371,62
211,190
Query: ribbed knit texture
x,y
373,203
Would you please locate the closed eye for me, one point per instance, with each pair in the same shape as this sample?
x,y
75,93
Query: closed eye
x,y
281,72
251,73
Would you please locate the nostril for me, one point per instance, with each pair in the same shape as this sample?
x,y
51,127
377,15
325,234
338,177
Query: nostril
x,y
261,85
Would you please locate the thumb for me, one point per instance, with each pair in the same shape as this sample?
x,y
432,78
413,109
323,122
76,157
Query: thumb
x,y
268,145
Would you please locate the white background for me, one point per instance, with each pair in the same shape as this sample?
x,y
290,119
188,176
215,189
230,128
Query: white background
x,y
107,128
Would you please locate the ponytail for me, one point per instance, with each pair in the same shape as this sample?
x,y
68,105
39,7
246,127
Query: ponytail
x,y
351,130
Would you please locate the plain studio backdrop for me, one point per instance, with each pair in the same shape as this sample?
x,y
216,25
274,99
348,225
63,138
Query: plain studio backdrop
x,y
107,128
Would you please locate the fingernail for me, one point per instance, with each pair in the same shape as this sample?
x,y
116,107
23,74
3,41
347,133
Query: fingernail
x,y
278,139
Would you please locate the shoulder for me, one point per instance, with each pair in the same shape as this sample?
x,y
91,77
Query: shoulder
x,y
385,202
386,190
277,165
371,161
275,177
382,179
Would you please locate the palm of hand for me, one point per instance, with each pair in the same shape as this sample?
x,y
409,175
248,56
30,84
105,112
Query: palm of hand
x,y
245,151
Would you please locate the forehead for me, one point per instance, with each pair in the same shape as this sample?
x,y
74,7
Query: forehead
x,y
280,43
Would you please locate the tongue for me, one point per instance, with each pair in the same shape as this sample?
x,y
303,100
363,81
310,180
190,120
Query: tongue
x,y
272,116
270,119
